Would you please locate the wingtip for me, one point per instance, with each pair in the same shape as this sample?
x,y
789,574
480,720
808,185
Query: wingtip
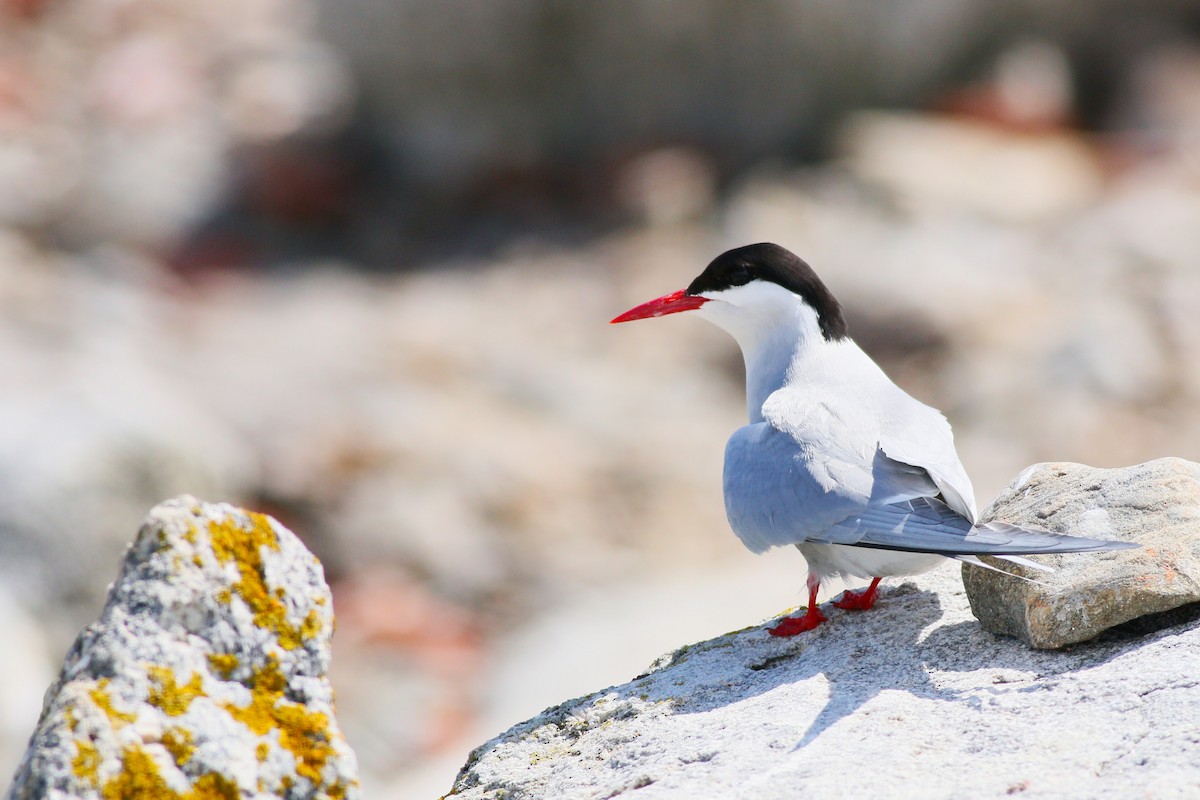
x,y
1108,545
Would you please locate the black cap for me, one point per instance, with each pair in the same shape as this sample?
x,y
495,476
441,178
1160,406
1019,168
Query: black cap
x,y
770,262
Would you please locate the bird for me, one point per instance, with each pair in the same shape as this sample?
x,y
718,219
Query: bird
x,y
837,459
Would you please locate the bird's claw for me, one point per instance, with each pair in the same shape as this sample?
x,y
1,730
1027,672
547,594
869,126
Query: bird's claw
x,y
790,626
857,601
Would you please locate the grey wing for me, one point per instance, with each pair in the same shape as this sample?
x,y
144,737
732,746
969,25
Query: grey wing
x,y
921,436
780,491
927,525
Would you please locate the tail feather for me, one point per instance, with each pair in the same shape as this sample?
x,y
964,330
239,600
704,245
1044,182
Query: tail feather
x,y
975,562
1026,562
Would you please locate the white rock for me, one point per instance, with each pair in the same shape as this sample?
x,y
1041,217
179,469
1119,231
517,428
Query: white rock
x,y
914,696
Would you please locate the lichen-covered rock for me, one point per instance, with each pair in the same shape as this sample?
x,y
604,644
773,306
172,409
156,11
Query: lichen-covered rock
x,y
913,696
205,676
1156,504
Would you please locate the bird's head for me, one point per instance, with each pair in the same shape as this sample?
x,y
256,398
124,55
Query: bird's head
x,y
752,291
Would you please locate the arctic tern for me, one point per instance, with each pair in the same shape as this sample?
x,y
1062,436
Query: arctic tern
x,y
837,460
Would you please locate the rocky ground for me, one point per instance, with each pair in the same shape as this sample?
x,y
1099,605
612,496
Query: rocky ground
x,y
913,695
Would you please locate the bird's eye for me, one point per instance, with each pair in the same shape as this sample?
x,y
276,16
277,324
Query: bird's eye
x,y
739,275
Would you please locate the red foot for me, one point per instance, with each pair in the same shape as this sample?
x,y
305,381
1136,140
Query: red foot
x,y
790,626
859,601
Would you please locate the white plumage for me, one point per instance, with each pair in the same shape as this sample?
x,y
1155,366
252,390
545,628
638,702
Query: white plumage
x,y
836,459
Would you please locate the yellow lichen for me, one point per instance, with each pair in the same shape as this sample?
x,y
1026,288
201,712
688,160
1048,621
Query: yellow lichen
x,y
86,764
262,751
179,744
242,546
103,702
139,777
224,663
311,626
305,734
168,694
211,786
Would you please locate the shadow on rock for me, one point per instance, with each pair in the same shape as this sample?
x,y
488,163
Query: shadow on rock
x,y
898,646
859,654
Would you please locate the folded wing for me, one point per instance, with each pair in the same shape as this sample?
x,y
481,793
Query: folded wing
x,y
927,525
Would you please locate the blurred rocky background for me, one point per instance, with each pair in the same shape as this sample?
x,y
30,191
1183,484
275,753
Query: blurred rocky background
x,y
351,264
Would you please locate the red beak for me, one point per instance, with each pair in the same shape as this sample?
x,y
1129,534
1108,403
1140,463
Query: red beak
x,y
668,304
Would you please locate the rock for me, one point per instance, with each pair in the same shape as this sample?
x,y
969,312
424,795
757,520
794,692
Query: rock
x,y
937,706
205,675
1156,504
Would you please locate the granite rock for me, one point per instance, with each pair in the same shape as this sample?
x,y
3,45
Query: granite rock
x,y
937,706
1156,504
205,675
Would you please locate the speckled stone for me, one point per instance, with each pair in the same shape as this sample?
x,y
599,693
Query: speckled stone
x,y
205,676
912,698
1156,504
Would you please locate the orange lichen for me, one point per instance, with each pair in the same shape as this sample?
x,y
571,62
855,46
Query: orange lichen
x,y
168,694
242,546
305,734
103,702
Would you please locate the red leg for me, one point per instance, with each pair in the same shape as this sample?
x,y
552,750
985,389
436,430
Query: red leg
x,y
859,601
790,626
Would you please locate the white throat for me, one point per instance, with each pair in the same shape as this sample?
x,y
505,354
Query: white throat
x,y
775,330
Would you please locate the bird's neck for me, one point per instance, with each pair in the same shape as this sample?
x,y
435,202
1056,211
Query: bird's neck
x,y
776,345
